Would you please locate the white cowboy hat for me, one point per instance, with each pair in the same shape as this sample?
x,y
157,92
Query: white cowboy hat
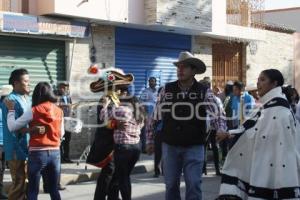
x,y
186,57
5,90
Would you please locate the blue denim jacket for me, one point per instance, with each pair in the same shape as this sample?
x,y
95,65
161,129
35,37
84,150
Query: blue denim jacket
x,y
16,144
249,104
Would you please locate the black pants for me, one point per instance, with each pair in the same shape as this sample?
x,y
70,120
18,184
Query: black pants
x,y
157,153
212,140
143,139
125,157
224,148
65,146
107,184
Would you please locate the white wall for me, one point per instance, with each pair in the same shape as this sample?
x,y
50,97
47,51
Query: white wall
x,y
229,32
276,51
219,19
108,10
297,60
136,11
288,18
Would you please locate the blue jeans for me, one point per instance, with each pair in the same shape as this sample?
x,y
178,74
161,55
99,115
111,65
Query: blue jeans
x,y
47,161
189,160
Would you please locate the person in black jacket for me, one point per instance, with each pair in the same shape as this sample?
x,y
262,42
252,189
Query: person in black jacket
x,y
183,108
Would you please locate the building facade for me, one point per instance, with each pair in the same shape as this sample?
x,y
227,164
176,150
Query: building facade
x,y
288,18
59,40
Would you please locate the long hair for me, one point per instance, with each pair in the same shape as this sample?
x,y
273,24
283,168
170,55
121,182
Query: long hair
x,y
228,89
43,93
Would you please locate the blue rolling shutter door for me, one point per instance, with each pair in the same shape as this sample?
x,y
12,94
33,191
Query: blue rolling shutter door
x,y
149,53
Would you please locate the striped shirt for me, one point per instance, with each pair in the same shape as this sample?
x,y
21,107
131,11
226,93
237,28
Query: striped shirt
x,y
128,129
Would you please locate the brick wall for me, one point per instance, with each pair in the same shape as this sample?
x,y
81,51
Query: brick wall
x,y
191,14
277,51
80,80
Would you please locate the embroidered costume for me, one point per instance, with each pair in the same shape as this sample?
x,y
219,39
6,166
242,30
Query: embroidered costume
x,y
264,163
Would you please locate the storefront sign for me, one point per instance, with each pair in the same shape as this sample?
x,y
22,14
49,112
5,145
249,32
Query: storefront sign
x,y
50,26
43,25
79,29
18,23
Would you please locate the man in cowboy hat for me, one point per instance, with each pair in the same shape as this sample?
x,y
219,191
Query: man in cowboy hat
x,y
182,108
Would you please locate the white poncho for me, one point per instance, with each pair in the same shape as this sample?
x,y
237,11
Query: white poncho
x,y
264,163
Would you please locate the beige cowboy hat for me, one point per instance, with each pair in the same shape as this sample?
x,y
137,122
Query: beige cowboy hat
x,y
111,77
186,57
5,90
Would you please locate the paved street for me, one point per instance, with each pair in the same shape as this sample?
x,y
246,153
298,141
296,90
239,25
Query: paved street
x,y
144,188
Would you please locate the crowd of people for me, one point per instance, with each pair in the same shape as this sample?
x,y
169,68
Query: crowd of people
x,y
255,128
32,130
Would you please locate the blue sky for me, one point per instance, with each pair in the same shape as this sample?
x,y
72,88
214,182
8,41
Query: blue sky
x,y
275,4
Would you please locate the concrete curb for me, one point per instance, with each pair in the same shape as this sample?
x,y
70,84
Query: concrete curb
x,y
92,175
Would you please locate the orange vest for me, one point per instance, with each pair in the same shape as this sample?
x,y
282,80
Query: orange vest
x,y
49,115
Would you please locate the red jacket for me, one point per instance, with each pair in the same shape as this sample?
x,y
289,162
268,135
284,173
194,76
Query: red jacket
x,y
49,115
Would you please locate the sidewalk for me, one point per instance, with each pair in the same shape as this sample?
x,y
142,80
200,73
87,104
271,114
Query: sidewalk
x,y
73,173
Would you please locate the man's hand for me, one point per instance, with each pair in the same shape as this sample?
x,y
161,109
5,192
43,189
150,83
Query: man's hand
x,y
38,130
222,136
9,104
150,149
106,101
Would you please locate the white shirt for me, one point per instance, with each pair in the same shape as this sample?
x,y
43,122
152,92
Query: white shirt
x,y
16,124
